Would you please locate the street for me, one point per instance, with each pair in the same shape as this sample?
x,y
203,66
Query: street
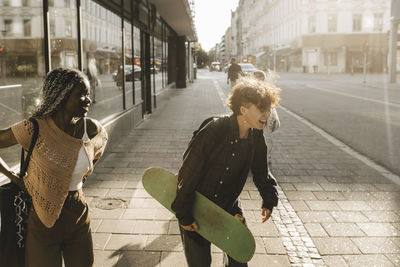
x,y
365,117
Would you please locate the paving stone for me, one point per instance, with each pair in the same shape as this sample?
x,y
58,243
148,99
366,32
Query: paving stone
x,y
382,216
105,258
342,229
375,245
307,187
126,242
94,224
335,246
267,229
322,205
300,195
143,214
358,196
100,240
335,187
354,205
299,205
315,216
349,216
387,195
394,258
385,205
388,187
327,195
151,227
368,260
164,243
105,214
262,260
379,229
116,226
274,245
138,258
334,261
315,230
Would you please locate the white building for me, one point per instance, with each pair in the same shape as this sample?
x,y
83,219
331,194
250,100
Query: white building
x,y
314,35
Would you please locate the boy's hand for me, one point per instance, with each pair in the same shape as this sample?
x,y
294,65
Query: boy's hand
x,y
266,213
190,227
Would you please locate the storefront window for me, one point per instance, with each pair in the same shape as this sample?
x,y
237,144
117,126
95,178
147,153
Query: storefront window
x,y
138,63
63,28
133,72
102,59
157,68
22,66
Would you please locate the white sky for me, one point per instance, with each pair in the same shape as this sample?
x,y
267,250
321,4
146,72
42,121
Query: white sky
x,y
212,19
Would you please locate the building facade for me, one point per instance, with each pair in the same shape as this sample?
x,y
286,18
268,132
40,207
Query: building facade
x,y
135,48
313,35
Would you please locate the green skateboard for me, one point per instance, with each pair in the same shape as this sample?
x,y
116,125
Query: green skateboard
x,y
215,224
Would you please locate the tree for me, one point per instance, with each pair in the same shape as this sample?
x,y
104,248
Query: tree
x,y
201,55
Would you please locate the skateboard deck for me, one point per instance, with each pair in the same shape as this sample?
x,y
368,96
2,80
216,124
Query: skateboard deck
x,y
215,224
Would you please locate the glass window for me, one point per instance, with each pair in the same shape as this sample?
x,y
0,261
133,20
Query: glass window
x,y
332,23
378,22
138,63
133,72
357,20
311,24
63,32
102,60
157,66
27,27
330,58
22,67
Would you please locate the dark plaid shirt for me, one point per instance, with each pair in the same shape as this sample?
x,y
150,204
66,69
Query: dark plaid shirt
x,y
217,166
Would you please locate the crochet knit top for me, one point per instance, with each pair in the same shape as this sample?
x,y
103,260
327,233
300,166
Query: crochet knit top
x,y
52,163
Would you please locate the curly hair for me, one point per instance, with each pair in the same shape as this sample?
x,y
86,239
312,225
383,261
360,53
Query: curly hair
x,y
56,89
249,90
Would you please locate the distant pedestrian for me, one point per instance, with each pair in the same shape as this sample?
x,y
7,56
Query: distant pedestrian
x,y
273,122
93,76
218,161
234,72
67,147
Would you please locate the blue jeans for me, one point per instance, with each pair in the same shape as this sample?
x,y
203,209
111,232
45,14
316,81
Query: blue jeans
x,y
198,251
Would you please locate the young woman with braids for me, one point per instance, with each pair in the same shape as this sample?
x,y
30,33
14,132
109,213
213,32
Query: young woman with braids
x,y
67,147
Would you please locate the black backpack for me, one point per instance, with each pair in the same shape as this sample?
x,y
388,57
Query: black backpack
x,y
203,125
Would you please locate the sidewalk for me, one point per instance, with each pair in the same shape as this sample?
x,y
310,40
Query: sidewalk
x,y
333,209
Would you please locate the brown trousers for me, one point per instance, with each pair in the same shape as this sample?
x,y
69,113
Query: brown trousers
x,y
70,238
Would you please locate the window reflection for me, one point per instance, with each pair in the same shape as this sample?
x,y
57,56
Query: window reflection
x,y
102,58
22,65
138,63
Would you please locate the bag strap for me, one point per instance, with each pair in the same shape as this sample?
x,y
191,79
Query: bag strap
x,y
25,161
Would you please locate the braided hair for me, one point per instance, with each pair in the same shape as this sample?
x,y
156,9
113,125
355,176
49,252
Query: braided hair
x,y
56,89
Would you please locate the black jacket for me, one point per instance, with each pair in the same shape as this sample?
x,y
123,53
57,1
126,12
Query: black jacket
x,y
208,161
234,71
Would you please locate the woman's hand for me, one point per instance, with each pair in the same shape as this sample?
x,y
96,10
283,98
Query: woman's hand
x,y
266,213
190,227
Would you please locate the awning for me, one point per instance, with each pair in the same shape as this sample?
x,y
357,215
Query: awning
x,y
260,54
178,15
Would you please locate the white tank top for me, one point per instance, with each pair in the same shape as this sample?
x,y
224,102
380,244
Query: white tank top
x,y
82,164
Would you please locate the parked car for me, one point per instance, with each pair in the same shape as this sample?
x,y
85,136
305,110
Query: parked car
x,y
215,66
247,68
130,74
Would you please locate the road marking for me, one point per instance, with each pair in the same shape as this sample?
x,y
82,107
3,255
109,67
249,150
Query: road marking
x,y
354,96
10,86
222,96
382,170
7,107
